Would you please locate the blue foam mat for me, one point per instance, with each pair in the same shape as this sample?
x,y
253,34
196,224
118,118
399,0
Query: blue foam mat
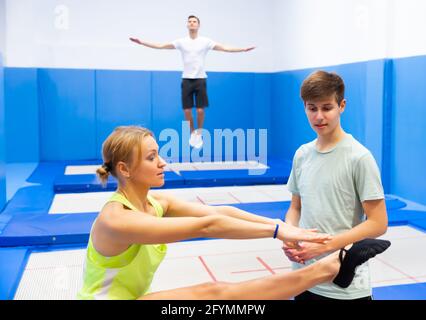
x,y
27,200
420,224
403,217
278,172
274,210
46,172
218,178
12,266
416,291
90,183
393,203
47,229
25,220
51,229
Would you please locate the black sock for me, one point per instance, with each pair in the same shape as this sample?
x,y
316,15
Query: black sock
x,y
359,253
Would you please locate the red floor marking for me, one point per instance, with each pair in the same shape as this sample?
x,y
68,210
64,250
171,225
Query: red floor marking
x,y
201,200
225,253
389,280
267,194
207,268
396,269
258,270
239,201
265,265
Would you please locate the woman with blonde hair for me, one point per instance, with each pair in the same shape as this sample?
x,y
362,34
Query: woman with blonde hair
x,y
127,240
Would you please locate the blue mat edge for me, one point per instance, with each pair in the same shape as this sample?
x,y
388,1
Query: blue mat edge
x,y
13,271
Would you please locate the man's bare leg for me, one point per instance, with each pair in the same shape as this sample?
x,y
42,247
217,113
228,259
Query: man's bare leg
x,y
188,117
200,119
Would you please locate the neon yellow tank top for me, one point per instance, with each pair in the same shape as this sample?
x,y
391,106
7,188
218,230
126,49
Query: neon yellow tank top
x,y
125,276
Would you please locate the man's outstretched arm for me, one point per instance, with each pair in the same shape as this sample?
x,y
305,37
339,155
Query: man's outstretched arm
x,y
221,47
153,45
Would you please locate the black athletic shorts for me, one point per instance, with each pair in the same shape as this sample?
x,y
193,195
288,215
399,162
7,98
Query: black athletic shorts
x,y
194,88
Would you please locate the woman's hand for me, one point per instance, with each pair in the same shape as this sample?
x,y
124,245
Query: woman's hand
x,y
289,233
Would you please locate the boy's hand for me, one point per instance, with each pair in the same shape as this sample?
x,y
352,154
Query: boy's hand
x,y
306,251
290,250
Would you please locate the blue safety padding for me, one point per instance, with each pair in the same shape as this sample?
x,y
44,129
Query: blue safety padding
x,y
3,190
25,220
90,183
407,154
67,114
419,223
28,200
82,183
273,210
403,217
277,173
166,108
393,203
12,265
231,101
122,98
47,229
362,117
387,123
22,114
46,172
33,199
262,96
235,177
50,229
416,291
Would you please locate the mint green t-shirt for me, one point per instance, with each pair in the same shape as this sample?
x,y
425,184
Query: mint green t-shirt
x,y
332,186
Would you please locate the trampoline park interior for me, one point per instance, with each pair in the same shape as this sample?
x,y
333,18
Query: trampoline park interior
x,y
69,76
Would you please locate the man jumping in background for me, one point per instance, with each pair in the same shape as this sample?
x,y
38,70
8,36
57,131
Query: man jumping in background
x,y
194,49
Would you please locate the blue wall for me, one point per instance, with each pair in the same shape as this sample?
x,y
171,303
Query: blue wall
x,y
385,111
21,115
362,117
2,139
65,114
408,147
122,98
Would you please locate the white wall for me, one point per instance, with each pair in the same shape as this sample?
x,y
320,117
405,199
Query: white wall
x,y
409,28
94,33
2,26
289,34
315,33
312,33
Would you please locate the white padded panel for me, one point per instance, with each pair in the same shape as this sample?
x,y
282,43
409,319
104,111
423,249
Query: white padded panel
x,y
184,166
94,201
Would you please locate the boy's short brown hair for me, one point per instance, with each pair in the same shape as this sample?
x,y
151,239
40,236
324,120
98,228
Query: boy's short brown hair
x,y
321,84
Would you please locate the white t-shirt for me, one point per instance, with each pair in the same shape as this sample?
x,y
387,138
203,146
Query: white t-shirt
x,y
332,186
193,54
